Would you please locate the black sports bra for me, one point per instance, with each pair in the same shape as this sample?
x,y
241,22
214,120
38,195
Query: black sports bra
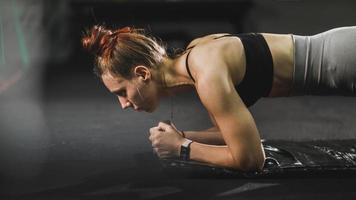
x,y
258,78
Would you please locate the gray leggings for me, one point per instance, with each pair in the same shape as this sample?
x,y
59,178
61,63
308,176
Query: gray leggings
x,y
325,63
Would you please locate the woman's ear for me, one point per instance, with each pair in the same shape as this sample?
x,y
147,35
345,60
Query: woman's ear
x,y
142,72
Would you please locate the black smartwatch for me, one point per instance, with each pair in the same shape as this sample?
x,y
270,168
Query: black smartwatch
x,y
185,150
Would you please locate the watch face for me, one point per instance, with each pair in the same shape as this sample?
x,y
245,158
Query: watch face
x,y
184,153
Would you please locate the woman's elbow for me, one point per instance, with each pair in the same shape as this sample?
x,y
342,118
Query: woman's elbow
x,y
249,163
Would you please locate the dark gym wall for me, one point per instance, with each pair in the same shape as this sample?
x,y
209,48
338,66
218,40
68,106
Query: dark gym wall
x,y
300,16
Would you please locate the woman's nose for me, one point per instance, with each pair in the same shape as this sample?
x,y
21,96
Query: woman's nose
x,y
124,102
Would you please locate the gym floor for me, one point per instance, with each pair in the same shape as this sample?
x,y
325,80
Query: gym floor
x,y
63,136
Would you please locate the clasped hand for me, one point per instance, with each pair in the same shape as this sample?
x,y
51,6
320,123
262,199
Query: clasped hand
x,y
166,140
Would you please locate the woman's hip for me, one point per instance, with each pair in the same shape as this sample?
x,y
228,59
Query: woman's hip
x,y
325,63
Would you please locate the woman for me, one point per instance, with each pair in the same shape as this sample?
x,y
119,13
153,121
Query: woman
x,y
229,73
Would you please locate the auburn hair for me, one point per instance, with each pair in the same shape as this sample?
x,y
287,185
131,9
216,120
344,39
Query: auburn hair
x,y
118,51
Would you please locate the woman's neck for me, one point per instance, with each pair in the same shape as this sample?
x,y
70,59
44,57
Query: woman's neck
x,y
174,78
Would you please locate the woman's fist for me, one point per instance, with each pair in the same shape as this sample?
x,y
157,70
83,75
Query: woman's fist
x,y
166,140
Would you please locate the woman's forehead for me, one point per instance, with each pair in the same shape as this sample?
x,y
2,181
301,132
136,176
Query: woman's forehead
x,y
112,77
112,80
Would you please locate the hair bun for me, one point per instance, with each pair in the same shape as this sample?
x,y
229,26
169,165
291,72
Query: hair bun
x,y
96,39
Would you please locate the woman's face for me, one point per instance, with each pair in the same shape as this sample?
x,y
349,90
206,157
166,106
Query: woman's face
x,y
140,92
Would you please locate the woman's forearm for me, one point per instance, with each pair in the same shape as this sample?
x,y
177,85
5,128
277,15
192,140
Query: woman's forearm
x,y
218,155
209,136
212,154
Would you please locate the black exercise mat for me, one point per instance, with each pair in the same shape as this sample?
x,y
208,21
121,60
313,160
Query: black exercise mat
x,y
283,158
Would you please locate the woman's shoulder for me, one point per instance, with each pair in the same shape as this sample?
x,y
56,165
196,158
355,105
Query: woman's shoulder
x,y
213,56
204,39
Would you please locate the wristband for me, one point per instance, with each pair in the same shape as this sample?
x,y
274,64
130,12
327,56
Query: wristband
x,y
185,150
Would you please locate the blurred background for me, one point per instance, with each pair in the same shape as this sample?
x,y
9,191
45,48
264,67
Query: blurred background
x,y
59,125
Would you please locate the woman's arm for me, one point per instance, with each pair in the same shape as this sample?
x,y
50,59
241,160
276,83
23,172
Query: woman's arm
x,y
209,136
243,149
218,94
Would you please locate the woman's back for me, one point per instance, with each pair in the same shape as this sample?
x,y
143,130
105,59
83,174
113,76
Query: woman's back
x,y
232,51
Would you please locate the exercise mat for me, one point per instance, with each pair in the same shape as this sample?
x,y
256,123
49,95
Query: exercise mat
x,y
283,158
